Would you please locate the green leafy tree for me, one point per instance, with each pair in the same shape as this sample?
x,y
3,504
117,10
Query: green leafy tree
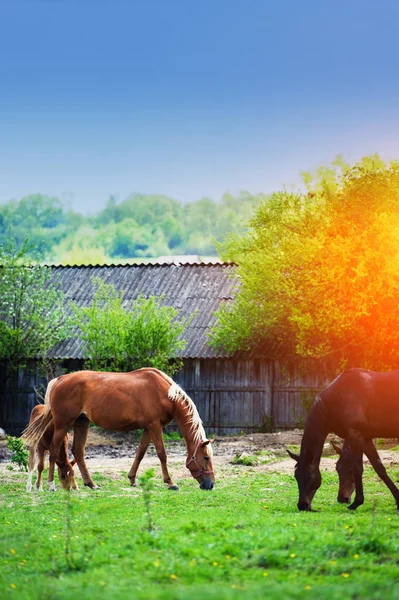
x,y
145,334
142,225
128,239
32,316
319,270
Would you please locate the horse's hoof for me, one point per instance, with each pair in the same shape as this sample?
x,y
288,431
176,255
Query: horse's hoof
x,y
92,486
352,507
173,486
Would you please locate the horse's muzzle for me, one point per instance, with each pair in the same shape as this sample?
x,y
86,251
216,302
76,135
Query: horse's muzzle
x,y
207,484
343,500
304,506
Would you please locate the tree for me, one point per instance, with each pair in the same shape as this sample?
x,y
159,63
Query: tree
x,y
147,334
32,316
319,270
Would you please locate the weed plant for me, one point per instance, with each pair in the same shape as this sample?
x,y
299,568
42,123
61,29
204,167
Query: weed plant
x,y
19,453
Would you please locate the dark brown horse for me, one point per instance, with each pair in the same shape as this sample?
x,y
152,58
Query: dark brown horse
x,y
358,406
65,467
346,472
144,399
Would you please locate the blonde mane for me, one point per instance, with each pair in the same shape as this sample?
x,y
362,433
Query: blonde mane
x,y
177,394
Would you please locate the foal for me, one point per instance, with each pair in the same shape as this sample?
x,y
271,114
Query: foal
x,y
65,467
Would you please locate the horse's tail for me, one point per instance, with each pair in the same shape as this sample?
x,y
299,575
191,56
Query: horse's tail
x,y
33,433
50,386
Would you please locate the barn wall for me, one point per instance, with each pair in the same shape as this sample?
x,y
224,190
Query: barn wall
x,y
18,393
236,396
295,386
232,396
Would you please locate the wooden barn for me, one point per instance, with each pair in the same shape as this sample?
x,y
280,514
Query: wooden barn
x,y
233,394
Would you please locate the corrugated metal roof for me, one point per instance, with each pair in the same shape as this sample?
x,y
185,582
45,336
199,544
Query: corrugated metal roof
x,y
186,287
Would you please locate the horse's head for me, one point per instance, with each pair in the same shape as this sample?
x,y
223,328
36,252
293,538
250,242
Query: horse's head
x,y
67,476
199,464
308,477
346,473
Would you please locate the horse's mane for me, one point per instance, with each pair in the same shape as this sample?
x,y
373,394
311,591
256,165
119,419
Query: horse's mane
x,y
177,394
314,426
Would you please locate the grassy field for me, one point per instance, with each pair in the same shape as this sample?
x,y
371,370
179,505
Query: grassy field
x,y
245,539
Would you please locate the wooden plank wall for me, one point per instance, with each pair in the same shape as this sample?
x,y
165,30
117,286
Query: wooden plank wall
x,y
232,396
295,387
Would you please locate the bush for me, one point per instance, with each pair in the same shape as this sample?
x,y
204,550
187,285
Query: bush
x,y
147,334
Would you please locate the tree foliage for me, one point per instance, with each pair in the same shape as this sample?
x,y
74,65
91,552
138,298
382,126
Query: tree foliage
x,y
32,317
141,226
119,338
319,270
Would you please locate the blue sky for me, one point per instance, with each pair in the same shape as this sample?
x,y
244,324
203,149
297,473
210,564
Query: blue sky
x,y
190,99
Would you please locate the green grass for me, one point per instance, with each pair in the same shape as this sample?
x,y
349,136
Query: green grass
x,y
244,540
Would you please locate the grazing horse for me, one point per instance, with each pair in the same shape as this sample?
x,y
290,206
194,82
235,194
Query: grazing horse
x,y
358,405
144,399
345,470
65,467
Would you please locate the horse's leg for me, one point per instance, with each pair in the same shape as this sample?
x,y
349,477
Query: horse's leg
x,y
41,454
156,436
31,467
58,438
374,458
356,443
80,431
141,450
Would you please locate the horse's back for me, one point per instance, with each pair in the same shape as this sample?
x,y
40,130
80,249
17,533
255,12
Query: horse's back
x,y
367,400
116,401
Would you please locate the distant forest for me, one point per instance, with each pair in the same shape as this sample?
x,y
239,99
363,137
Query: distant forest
x,y
139,227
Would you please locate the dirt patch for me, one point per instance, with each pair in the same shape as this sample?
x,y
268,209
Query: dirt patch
x,y
111,453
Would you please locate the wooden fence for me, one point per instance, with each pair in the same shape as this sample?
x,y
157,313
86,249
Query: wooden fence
x,y
231,395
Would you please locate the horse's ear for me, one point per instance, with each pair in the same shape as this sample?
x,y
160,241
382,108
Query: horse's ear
x,y
206,442
336,447
294,456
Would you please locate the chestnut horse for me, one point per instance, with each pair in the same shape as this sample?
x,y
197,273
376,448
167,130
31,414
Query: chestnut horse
x,y
145,399
65,467
358,405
